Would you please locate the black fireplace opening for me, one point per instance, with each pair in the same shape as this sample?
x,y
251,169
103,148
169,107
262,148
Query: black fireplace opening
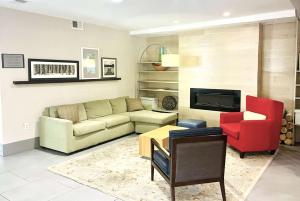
x,y
215,99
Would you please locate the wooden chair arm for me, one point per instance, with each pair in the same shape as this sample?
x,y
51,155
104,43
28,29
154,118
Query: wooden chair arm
x,y
154,143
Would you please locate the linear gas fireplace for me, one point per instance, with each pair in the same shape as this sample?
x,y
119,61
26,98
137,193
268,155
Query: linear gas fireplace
x,y
215,99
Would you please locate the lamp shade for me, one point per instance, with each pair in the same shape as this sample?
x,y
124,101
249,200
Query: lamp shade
x,y
170,60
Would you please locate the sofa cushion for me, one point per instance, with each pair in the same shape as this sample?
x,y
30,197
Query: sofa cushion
x,y
152,117
113,120
134,104
253,116
192,132
99,108
87,127
69,112
231,129
81,111
161,161
118,105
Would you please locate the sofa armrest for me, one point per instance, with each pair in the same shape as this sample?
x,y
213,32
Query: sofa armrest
x,y
56,133
257,133
231,117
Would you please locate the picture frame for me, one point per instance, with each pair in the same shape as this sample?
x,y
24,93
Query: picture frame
x,y
109,67
51,70
12,60
90,65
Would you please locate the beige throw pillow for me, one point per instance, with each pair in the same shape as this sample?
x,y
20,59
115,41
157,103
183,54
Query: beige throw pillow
x,y
69,112
134,104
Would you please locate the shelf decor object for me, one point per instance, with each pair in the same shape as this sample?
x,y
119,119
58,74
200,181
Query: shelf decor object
x,y
52,70
109,67
12,60
169,103
90,63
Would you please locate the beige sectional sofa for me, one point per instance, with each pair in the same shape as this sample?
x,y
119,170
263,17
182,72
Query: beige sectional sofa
x,y
99,121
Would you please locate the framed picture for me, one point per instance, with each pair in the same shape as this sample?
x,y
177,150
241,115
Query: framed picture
x,y
49,69
12,60
109,67
90,63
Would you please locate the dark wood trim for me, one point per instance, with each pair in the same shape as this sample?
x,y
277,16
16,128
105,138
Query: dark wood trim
x,y
63,81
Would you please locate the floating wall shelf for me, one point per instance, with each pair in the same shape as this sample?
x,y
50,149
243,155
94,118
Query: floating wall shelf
x,y
63,81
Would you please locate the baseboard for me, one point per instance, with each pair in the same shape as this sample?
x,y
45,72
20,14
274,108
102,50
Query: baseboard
x,y
20,146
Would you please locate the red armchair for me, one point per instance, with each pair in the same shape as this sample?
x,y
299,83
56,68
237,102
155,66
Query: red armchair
x,y
254,135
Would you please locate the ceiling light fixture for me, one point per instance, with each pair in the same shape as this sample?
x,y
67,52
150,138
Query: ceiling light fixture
x,y
21,1
175,21
117,1
226,14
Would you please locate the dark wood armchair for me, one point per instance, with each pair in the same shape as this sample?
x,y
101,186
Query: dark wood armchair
x,y
191,160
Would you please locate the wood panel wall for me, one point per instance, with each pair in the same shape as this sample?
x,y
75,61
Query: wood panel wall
x,y
278,62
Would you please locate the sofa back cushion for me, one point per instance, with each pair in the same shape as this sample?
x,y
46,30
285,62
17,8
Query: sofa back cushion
x,y
81,111
98,108
118,105
134,104
69,112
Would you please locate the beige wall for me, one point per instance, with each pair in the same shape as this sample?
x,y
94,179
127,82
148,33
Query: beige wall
x,y
39,36
278,66
227,59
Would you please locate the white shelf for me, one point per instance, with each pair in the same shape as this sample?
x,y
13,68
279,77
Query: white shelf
x,y
159,90
297,98
165,111
160,81
155,71
150,62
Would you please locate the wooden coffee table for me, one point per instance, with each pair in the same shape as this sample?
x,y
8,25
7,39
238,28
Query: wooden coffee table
x,y
161,135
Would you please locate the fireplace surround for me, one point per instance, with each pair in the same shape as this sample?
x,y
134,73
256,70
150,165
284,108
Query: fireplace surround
x,y
215,99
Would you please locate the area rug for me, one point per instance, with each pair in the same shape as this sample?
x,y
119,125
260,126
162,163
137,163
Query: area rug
x,y
118,170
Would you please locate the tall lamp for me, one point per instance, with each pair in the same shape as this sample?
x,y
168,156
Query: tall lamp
x,y
164,61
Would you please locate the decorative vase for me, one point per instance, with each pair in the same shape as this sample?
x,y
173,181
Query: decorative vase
x,y
159,67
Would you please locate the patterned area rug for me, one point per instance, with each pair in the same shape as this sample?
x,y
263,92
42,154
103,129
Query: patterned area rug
x,y
118,170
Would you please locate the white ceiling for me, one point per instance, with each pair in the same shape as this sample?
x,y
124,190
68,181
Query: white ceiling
x,y
141,14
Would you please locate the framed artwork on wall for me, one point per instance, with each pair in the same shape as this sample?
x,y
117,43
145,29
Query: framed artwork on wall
x,y
50,69
90,67
12,60
109,67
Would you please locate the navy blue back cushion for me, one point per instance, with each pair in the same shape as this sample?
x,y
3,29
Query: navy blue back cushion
x,y
192,132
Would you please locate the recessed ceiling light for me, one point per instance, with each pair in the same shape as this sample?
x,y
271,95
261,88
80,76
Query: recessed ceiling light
x,y
117,1
226,14
175,21
21,1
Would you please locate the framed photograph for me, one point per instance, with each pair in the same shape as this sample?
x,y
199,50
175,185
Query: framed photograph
x,y
12,60
90,63
109,67
49,69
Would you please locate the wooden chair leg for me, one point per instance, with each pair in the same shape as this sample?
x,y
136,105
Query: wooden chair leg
x,y
242,154
222,185
152,172
172,193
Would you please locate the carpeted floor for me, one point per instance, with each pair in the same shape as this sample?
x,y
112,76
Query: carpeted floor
x,y
118,170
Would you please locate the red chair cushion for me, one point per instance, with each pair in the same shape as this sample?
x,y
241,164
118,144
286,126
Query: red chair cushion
x,y
232,129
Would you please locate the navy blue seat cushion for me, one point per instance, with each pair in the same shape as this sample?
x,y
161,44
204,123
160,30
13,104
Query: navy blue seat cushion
x,y
192,132
192,123
161,161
